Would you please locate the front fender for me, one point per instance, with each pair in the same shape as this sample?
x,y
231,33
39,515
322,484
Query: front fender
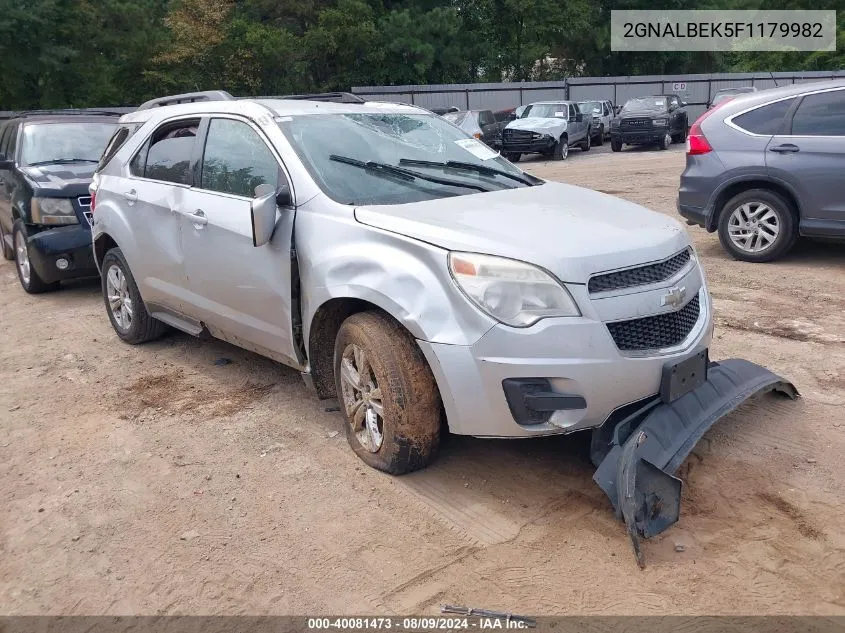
x,y
406,278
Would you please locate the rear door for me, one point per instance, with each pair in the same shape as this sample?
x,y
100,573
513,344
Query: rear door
x,y
160,176
809,154
5,194
240,291
577,129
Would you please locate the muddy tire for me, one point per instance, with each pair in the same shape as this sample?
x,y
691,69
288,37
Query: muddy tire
x,y
600,136
27,275
664,142
587,143
513,156
615,145
133,325
387,394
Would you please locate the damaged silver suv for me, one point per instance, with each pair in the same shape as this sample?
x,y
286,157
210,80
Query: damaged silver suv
x,y
413,273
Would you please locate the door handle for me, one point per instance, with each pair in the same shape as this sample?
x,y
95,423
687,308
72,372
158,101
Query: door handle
x,y
131,196
198,218
786,148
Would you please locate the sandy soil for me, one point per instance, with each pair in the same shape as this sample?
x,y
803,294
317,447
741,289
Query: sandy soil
x,y
151,480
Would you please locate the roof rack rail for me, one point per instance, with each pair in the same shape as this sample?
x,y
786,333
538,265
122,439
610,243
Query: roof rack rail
x,y
336,97
79,111
188,97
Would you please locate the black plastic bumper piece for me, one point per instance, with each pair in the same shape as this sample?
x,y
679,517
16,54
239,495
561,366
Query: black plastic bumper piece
x,y
532,400
637,459
72,243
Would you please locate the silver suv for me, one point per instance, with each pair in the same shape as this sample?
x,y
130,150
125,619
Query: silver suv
x,y
413,273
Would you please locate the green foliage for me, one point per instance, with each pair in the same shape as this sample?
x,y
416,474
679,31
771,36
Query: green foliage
x,y
120,52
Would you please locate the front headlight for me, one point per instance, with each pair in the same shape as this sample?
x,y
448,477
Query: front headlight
x,y
513,292
658,121
53,211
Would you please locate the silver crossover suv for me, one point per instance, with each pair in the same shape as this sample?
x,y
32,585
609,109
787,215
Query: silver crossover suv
x,y
413,273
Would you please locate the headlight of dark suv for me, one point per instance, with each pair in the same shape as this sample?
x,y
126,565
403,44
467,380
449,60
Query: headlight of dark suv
x,y
53,211
658,122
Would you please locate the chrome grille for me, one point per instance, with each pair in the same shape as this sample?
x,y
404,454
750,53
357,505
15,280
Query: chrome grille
x,y
656,332
89,216
640,276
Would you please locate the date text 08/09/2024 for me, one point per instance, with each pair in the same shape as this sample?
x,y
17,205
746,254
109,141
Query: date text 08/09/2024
x,y
415,624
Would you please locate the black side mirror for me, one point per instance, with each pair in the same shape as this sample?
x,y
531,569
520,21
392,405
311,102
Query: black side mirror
x,y
284,199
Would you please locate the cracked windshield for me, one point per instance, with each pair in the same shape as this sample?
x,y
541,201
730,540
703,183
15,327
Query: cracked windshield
x,y
393,158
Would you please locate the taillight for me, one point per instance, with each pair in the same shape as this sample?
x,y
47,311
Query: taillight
x,y
697,143
93,200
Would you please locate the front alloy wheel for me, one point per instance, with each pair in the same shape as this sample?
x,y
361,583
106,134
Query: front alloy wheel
x,y
362,398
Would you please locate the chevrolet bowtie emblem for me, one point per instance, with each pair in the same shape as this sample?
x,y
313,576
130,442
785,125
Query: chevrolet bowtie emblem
x,y
675,297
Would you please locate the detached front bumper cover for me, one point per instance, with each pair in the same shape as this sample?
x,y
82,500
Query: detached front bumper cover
x,y
638,456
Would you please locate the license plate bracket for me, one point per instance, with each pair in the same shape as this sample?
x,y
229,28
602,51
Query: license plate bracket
x,y
682,377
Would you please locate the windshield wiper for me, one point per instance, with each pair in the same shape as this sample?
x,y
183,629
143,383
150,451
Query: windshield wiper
x,y
63,160
403,174
481,169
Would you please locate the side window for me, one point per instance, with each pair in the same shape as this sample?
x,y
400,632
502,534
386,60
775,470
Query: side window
x,y
169,155
4,135
486,117
606,108
821,114
11,142
236,160
765,120
120,136
573,111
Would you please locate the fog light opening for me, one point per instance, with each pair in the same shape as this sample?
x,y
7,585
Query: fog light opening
x,y
62,263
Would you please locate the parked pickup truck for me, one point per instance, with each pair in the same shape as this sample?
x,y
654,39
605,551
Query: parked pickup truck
x,y
549,128
417,276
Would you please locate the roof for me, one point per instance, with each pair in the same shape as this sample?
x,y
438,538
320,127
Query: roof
x,y
64,118
277,107
749,99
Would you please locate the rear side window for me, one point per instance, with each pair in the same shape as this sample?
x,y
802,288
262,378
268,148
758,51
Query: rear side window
x,y
821,114
765,120
485,117
167,155
8,141
120,136
236,160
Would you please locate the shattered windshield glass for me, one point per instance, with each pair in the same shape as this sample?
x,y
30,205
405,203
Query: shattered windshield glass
x,y
390,158
545,111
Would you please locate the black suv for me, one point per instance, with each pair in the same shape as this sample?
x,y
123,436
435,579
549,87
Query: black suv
x,y
47,160
657,120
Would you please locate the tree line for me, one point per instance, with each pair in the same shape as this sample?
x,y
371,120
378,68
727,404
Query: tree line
x,y
81,53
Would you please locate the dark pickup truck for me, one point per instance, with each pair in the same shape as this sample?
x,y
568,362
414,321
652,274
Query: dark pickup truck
x,y
656,120
47,160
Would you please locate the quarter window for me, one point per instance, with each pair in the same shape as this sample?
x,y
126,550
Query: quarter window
x,y
765,120
821,114
236,160
120,136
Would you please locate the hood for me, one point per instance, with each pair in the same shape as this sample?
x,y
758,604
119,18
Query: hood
x,y
537,124
67,179
568,230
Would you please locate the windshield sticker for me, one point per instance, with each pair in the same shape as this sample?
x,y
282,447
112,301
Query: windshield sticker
x,y
557,114
659,102
476,148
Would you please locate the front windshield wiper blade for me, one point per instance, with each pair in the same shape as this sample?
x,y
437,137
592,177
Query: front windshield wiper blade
x,y
403,174
62,160
481,169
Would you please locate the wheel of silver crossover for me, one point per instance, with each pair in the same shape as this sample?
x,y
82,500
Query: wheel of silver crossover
x,y
362,398
753,227
22,257
117,293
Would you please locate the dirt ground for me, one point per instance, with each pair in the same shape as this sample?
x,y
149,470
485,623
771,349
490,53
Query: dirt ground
x,y
150,480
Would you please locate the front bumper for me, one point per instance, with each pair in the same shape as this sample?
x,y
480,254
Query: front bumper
x,y
639,137
528,146
71,243
577,356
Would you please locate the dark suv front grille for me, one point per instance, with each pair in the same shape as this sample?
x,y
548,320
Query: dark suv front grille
x,y
649,274
636,124
656,332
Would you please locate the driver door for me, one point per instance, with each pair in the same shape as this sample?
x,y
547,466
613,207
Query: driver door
x,y
241,292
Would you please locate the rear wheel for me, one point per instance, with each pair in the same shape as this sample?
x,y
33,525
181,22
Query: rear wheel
x,y
125,307
587,143
681,136
387,394
561,149
615,145
757,226
27,275
513,156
